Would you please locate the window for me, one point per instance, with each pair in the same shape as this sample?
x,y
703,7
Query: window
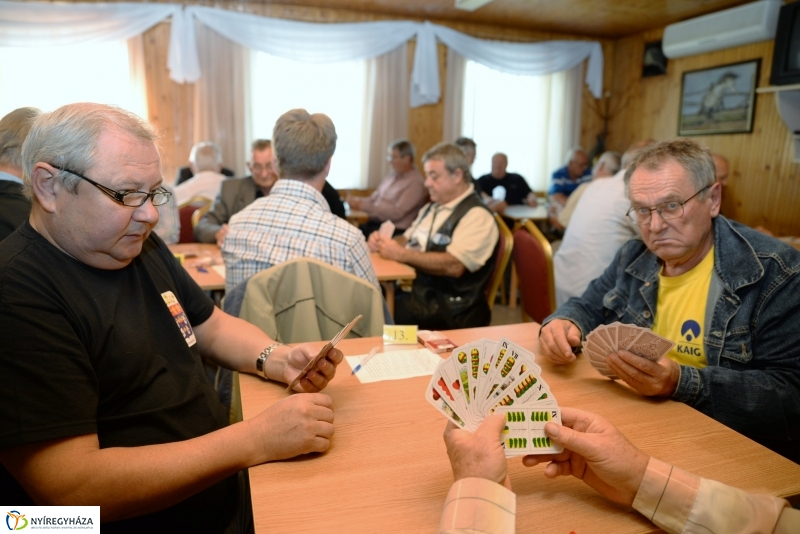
x,y
528,118
49,77
335,89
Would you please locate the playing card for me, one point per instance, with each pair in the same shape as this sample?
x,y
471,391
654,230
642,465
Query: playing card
x,y
451,372
328,346
651,346
387,229
626,335
524,430
440,396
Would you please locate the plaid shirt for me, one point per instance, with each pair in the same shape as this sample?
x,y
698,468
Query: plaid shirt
x,y
294,221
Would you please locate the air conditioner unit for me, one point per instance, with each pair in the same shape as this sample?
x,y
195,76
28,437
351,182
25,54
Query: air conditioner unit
x,y
725,29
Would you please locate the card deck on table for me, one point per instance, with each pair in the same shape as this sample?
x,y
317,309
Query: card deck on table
x,y
486,376
606,339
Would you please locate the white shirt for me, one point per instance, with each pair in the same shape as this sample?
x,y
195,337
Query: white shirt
x,y
598,228
204,184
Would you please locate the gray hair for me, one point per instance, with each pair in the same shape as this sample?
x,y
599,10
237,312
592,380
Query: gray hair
x,y
68,136
574,150
465,142
404,148
303,143
206,156
453,158
14,128
695,160
611,160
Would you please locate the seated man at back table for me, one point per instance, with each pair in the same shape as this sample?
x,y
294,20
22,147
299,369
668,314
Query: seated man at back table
x,y
596,452
450,244
512,188
14,206
294,221
469,147
567,179
104,332
236,194
206,162
186,173
608,165
399,197
728,296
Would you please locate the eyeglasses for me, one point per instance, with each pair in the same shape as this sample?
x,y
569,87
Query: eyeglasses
x,y
667,210
258,168
132,199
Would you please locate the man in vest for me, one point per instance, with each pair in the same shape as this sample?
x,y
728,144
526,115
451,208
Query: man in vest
x,y
450,244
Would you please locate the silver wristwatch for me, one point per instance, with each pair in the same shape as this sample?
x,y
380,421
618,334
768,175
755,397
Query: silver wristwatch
x,y
262,359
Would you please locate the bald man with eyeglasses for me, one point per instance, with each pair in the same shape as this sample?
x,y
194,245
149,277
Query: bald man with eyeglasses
x,y
105,399
728,296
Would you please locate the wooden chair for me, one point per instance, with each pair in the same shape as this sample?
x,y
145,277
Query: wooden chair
x,y
505,245
533,259
186,211
198,214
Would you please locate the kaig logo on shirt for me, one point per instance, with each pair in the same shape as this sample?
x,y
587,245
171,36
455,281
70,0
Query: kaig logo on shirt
x,y
690,331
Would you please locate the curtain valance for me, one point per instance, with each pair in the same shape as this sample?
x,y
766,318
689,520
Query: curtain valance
x,y
39,24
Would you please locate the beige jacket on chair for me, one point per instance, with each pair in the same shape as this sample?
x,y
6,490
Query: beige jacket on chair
x,y
309,300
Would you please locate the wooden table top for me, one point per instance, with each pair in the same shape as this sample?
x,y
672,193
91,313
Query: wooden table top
x,y
387,468
539,213
201,256
388,270
198,261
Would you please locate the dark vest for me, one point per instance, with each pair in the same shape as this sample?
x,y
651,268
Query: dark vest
x,y
444,302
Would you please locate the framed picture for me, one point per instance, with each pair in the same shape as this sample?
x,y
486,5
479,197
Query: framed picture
x,y
720,100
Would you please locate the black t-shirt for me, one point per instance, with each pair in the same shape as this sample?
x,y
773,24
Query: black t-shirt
x,y
516,187
14,207
87,350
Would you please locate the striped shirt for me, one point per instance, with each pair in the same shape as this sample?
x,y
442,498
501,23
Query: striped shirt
x,y
294,221
564,184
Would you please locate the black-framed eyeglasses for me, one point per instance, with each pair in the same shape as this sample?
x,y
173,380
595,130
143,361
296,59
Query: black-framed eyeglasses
x,y
667,210
131,199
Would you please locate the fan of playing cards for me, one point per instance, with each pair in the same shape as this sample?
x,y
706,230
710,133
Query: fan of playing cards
x,y
487,376
606,339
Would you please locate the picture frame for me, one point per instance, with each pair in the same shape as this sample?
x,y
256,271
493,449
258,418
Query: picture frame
x,y
719,100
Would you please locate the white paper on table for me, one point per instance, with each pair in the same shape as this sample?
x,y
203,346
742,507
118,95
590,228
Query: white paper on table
x,y
220,270
395,365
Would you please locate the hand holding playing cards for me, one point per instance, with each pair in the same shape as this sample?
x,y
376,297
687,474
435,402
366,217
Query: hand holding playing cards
x,y
288,364
595,452
557,339
298,424
478,454
653,379
389,248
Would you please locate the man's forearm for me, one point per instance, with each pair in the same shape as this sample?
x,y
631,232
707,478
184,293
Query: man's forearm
x,y
435,263
129,481
232,343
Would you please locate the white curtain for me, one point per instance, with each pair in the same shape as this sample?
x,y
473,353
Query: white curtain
x,y
453,95
220,96
136,64
384,120
34,24
51,24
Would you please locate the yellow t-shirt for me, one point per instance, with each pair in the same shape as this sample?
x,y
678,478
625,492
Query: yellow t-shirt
x,y
681,311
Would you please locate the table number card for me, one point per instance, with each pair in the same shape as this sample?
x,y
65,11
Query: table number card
x,y
397,334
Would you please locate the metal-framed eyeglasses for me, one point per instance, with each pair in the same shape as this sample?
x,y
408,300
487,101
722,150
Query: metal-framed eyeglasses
x,y
131,199
667,210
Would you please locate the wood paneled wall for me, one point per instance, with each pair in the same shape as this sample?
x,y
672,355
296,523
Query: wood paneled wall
x,y
764,183
170,104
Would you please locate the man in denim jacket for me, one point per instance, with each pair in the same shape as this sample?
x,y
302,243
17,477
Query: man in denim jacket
x,y
741,288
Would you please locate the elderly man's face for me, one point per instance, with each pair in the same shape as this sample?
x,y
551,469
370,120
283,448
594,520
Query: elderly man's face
x,y
92,227
262,169
578,165
400,163
442,185
675,241
499,165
